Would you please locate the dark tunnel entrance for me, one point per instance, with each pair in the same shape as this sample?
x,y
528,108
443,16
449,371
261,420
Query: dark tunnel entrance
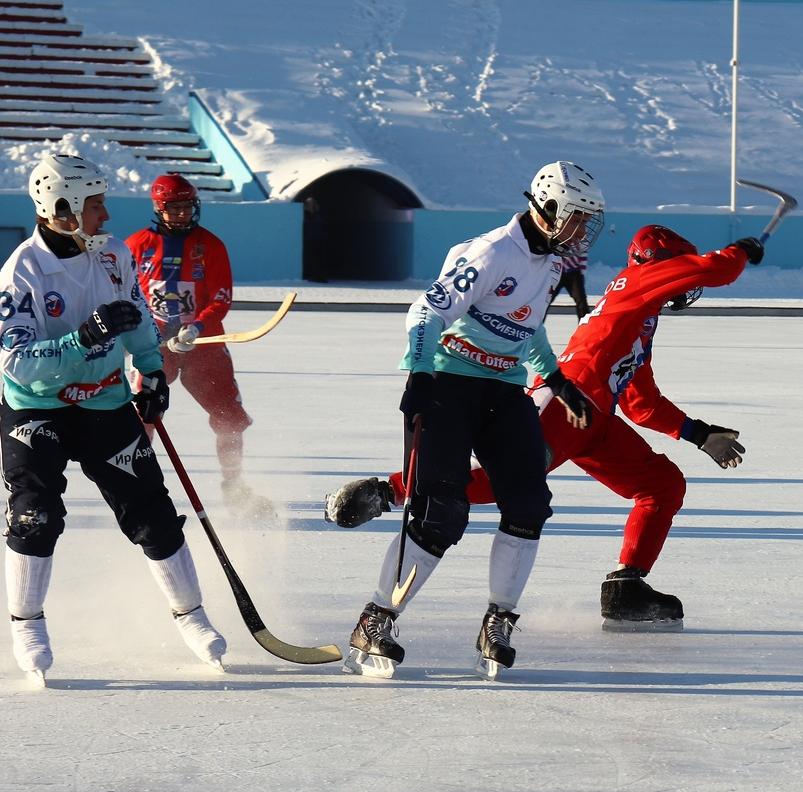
x,y
358,225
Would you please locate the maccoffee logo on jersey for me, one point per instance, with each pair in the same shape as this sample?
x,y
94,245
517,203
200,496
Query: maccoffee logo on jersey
x,y
438,297
476,355
499,325
506,287
78,392
54,304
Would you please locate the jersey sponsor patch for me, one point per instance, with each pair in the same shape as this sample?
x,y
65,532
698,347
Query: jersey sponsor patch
x,y
124,460
77,392
499,325
473,353
176,301
109,262
17,336
506,287
521,314
54,304
438,297
27,431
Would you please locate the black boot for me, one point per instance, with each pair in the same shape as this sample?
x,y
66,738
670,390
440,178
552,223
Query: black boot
x,y
493,642
628,604
373,649
357,502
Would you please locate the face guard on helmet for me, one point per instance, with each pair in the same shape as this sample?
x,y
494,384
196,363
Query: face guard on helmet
x,y
176,206
654,243
568,201
60,184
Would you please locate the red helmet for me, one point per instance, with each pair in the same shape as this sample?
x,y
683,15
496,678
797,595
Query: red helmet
x,y
172,188
654,243
657,243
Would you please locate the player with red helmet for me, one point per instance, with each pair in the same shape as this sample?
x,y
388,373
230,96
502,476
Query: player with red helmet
x,y
608,358
185,275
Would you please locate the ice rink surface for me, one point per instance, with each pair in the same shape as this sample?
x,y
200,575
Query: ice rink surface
x,y
715,708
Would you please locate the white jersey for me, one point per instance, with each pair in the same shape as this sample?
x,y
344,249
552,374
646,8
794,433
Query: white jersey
x,y
43,302
484,315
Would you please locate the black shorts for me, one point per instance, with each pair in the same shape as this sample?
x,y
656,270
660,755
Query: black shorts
x,y
113,451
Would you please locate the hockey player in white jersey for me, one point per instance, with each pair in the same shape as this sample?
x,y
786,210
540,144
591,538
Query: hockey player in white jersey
x,y
469,337
70,309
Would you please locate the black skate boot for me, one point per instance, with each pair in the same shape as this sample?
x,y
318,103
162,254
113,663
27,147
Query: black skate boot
x,y
373,650
357,502
629,605
493,642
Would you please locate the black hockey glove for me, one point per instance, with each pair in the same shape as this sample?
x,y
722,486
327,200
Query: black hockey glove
x,y
108,321
718,442
753,248
417,397
154,398
578,410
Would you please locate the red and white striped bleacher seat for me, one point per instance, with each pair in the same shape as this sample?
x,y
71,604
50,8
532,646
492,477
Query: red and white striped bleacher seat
x,y
55,80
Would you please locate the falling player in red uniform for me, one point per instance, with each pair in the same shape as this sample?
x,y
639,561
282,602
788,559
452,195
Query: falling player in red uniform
x,y
609,359
185,275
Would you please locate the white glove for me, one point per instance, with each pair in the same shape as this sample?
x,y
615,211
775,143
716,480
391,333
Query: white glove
x,y
184,340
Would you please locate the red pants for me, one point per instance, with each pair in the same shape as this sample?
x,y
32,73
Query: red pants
x,y
615,454
208,375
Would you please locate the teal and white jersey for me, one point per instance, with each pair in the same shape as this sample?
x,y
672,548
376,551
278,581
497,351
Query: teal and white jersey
x,y
483,316
43,302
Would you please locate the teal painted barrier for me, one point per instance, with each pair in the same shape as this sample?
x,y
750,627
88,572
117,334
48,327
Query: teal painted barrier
x,y
435,231
263,239
224,152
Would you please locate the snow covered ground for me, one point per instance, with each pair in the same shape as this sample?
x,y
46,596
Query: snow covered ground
x,y
465,99
715,708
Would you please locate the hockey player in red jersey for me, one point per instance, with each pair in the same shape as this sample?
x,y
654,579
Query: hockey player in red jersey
x,y
185,275
609,359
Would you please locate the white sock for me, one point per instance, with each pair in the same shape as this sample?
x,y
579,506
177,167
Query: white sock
x,y
510,564
178,580
424,562
27,581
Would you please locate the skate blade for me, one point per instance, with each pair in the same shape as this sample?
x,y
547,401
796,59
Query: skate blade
x,y
36,679
359,662
486,668
646,626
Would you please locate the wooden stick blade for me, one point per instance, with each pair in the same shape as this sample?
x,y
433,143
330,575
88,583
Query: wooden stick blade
x,y
306,655
400,591
252,335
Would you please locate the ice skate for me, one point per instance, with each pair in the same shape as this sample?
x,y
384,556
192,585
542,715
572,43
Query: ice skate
x,y
358,502
628,604
204,640
244,503
493,642
373,650
31,645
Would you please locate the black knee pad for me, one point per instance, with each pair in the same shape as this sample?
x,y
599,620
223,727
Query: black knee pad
x,y
438,522
523,530
160,541
34,530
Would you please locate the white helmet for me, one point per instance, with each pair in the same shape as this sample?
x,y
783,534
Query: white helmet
x,y
73,179
558,191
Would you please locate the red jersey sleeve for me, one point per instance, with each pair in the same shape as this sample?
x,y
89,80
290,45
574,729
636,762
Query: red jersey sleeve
x,y
645,405
214,296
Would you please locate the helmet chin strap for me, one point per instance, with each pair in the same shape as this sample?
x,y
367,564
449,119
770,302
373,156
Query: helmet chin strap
x,y
92,243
